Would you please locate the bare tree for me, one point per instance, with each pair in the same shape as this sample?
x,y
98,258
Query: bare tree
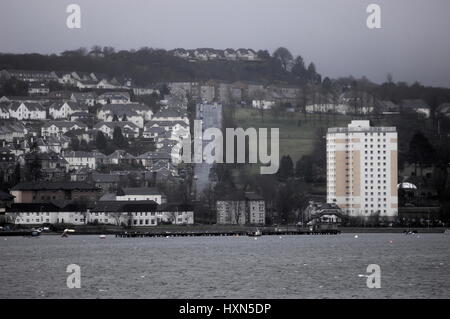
x,y
13,217
117,217
237,212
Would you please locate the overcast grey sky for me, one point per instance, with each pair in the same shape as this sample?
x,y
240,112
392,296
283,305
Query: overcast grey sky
x,y
413,43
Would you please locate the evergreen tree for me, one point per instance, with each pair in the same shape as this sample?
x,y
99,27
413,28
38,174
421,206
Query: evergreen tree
x,y
284,56
118,138
101,141
421,152
286,169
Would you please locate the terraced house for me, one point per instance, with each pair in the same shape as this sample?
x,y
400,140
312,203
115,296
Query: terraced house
x,y
40,192
27,111
64,109
58,128
79,159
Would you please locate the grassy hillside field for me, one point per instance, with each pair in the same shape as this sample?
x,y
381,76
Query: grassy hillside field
x,y
296,139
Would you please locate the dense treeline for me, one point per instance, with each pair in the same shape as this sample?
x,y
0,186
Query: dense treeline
x,y
148,65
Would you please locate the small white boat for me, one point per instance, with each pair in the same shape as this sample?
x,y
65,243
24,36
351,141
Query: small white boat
x,y
102,236
256,233
66,232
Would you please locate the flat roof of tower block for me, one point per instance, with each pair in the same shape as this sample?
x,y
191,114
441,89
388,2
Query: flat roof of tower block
x,y
361,126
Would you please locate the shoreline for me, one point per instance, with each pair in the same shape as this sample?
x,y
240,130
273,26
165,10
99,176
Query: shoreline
x,y
196,229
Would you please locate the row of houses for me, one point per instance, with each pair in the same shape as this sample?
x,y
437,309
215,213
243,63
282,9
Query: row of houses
x,y
79,203
38,81
217,91
208,54
80,80
107,215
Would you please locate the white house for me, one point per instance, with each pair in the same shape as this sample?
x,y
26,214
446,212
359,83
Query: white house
x,y
246,54
63,110
114,98
135,113
84,98
4,112
105,84
42,217
79,159
38,88
58,128
329,108
128,129
27,111
139,91
170,115
263,104
230,54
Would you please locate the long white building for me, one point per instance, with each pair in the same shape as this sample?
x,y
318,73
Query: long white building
x,y
362,169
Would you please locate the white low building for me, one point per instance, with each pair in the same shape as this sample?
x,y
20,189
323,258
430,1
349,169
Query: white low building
x,y
39,218
140,194
144,218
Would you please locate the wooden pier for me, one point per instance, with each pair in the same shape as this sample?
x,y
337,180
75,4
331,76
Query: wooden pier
x,y
223,234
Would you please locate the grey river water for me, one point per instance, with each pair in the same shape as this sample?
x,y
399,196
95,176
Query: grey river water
x,y
413,266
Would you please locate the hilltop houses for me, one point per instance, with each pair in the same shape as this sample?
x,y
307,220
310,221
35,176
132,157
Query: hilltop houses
x,y
29,75
209,54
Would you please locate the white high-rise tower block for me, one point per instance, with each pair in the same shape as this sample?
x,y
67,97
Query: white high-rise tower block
x,y
362,169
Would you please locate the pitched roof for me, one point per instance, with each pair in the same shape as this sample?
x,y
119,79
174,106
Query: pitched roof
x,y
62,124
125,206
414,104
120,124
114,95
25,186
169,113
78,154
105,178
138,191
6,196
32,106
